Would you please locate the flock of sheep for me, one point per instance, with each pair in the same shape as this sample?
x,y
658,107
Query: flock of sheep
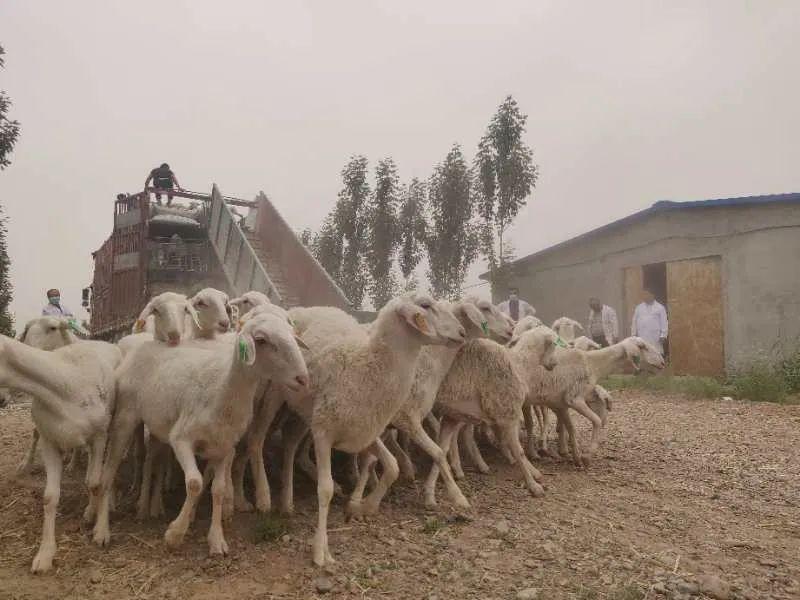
x,y
207,377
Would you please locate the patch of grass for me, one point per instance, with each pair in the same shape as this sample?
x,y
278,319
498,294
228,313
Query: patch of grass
x,y
692,386
432,525
270,528
790,370
761,383
626,592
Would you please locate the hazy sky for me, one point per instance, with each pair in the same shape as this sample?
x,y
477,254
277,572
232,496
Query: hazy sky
x,y
628,103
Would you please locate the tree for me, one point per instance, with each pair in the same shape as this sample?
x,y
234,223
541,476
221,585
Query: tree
x,y
9,130
327,248
413,227
452,242
349,222
383,233
505,175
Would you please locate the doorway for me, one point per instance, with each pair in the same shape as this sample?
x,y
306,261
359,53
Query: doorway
x,y
691,291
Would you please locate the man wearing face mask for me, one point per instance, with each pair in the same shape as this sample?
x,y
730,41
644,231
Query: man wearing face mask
x,y
54,308
516,308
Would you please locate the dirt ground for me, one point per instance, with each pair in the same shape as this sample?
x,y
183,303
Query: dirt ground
x,y
685,496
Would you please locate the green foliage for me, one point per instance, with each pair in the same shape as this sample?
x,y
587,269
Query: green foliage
x,y
9,130
504,177
350,223
689,385
790,370
327,247
452,240
270,528
306,237
760,382
413,227
383,232
6,289
432,525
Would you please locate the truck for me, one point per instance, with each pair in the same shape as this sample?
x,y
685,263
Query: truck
x,y
207,242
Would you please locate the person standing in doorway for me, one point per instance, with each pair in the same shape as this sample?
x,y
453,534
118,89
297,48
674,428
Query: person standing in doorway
x,y
163,179
603,326
514,307
650,321
54,308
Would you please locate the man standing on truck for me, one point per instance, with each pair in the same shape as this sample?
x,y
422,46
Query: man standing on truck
x,y
54,308
163,179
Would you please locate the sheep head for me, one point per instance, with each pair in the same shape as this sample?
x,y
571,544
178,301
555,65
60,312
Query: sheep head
x,y
213,310
268,343
566,328
523,325
169,312
47,333
248,301
498,325
430,322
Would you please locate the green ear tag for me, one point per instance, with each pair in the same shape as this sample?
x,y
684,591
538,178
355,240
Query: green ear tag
x,y
560,342
485,327
242,350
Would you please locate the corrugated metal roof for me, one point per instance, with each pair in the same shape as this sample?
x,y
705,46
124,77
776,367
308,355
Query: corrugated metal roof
x,y
664,206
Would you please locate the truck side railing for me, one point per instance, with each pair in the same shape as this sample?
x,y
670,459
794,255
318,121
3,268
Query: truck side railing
x,y
238,258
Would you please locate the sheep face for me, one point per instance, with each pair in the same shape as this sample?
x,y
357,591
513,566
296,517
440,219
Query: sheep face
x,y
46,333
248,301
271,309
524,324
432,323
643,355
567,328
498,324
213,310
169,312
268,343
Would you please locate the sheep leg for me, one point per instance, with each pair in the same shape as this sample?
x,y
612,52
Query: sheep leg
x,y
433,424
143,504
94,472
240,462
473,451
294,432
305,463
365,461
421,438
322,451
216,538
454,454
122,429
562,434
162,462
228,507
504,449
579,404
194,486
26,465
255,451
448,431
74,458
138,453
566,420
510,433
391,472
53,464
407,469
527,411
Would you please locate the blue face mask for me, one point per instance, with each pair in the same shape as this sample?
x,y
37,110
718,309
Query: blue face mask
x,y
54,300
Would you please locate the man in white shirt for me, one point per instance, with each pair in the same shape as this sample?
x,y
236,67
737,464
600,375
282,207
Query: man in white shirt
x,y
650,321
516,308
603,327
54,308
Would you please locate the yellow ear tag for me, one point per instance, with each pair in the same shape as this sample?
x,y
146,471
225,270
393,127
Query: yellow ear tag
x,y
139,326
421,322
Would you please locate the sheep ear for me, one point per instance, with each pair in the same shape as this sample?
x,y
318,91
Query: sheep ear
x,y
24,333
415,318
301,343
579,326
193,312
138,327
471,313
246,348
236,301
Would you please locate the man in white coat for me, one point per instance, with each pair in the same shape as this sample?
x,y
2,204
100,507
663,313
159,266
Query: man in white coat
x,y
602,325
515,307
650,321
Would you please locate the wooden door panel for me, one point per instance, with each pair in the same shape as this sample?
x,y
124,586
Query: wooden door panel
x,y
694,303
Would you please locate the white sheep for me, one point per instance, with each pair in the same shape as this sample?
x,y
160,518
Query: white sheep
x,y
45,333
584,343
200,400
357,385
73,395
566,328
486,384
479,318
